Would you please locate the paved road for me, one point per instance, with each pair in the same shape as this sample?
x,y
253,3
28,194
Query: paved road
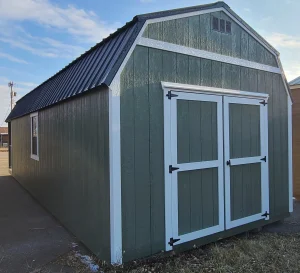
x,y
29,235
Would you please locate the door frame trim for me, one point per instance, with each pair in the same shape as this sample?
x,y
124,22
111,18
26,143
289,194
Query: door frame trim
x,y
212,90
264,165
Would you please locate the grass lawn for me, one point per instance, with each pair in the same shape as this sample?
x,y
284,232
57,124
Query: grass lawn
x,y
258,252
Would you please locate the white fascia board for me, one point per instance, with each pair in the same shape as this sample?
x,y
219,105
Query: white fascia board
x,y
290,154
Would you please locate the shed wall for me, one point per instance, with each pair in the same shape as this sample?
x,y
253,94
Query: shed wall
x,y
196,32
71,178
142,139
296,142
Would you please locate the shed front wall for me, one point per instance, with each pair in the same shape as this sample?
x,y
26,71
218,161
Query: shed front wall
x,y
142,139
71,178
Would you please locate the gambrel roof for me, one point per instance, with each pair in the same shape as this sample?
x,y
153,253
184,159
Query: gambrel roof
x,y
99,65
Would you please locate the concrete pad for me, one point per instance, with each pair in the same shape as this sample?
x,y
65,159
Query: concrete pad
x,y
29,236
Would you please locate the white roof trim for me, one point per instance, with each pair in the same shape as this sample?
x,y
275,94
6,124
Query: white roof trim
x,y
205,54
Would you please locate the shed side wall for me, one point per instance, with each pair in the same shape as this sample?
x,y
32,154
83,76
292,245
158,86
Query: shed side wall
x,y
71,178
296,142
197,32
142,137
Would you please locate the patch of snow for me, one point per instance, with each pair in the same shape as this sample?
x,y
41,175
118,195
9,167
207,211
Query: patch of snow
x,y
87,260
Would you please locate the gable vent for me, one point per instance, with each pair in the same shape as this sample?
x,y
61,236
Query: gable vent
x,y
221,25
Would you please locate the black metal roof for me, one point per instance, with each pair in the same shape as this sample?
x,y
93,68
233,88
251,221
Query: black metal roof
x,y
95,67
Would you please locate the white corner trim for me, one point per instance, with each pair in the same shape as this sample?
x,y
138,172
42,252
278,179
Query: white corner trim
x,y
33,156
213,90
283,77
115,179
205,54
290,149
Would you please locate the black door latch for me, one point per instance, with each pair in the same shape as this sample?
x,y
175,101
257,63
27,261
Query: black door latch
x,y
170,95
266,214
228,162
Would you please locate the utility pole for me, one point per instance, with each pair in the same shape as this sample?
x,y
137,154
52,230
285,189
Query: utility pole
x,y
12,94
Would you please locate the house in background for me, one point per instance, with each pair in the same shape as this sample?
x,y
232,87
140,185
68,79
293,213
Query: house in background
x,y
3,137
295,89
175,131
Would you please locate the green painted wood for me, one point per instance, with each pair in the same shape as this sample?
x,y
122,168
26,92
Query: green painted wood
x,y
194,71
182,68
163,65
226,39
71,178
226,75
235,77
216,74
128,159
196,213
244,45
236,40
244,130
196,137
205,31
215,44
206,72
183,132
253,79
194,37
141,168
156,150
196,32
245,190
182,31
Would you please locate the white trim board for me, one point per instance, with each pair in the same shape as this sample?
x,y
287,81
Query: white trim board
x,y
213,90
33,156
297,86
115,179
290,159
205,54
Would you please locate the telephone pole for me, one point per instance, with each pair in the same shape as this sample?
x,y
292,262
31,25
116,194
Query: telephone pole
x,y
12,94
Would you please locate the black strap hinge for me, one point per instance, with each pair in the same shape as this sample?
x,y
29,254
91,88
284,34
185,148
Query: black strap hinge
x,y
264,159
171,168
266,214
264,103
173,241
170,95
228,162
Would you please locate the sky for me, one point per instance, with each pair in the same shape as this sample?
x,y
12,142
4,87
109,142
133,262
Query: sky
x,y
39,37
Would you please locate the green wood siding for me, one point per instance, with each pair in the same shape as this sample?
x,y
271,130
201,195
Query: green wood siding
x,y
185,32
196,138
142,157
198,206
244,130
71,178
245,187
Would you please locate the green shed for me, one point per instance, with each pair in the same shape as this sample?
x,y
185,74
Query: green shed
x,y
173,132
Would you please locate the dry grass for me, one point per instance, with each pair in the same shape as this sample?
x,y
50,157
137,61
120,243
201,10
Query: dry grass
x,y
262,252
